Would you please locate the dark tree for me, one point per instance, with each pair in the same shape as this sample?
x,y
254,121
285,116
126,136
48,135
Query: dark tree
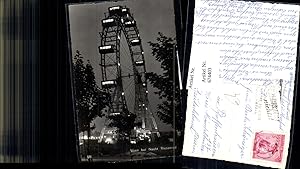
x,y
89,99
167,83
125,122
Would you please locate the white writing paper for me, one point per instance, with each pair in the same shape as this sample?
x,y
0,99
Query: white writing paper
x,y
241,81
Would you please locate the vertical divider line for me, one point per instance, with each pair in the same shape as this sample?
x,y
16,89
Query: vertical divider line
x,y
1,81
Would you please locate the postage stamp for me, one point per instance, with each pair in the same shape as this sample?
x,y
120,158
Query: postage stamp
x,y
268,146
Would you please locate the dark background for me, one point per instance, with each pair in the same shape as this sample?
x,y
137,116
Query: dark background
x,y
47,75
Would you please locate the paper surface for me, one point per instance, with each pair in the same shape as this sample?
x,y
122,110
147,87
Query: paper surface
x,y
241,81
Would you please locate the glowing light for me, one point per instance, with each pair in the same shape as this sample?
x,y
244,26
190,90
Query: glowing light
x,y
105,47
108,140
139,62
110,82
113,114
108,20
135,41
114,8
129,22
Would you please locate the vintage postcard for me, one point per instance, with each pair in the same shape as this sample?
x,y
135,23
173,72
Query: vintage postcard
x,y
123,55
241,82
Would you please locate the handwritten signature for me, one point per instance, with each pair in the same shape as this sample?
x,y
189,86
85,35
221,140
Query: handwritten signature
x,y
195,117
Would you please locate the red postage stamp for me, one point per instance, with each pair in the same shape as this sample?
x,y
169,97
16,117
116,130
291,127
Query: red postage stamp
x,y
268,146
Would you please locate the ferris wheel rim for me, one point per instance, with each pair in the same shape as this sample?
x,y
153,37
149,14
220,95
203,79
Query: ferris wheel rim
x,y
122,29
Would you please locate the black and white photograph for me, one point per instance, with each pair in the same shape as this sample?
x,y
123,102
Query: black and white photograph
x,y
125,79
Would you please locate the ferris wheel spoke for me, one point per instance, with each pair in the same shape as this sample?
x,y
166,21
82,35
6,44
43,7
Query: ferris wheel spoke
x,y
129,93
130,84
130,96
130,69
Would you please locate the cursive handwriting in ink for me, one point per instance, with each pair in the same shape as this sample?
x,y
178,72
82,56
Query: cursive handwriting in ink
x,y
233,98
250,36
195,117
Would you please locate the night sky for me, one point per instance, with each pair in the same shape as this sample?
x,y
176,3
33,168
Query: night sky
x,y
152,16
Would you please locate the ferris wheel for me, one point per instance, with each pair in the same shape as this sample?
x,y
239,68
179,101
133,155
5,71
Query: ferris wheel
x,y
123,67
